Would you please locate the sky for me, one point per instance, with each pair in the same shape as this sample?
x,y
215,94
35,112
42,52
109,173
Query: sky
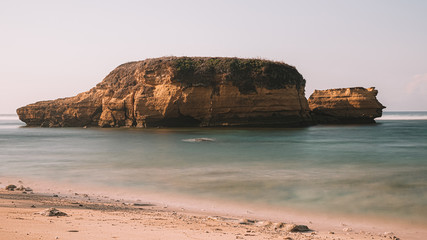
x,y
54,49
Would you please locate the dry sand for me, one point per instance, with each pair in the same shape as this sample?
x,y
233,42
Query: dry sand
x,y
95,216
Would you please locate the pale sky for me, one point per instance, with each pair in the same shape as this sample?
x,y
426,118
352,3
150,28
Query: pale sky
x,y
52,49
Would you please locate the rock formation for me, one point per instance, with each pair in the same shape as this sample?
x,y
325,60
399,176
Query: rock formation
x,y
183,91
209,92
345,105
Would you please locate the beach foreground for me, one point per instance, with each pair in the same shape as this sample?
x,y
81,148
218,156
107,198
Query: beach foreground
x,y
95,216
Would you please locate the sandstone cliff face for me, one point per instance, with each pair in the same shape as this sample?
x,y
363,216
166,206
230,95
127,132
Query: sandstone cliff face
x,y
183,92
345,105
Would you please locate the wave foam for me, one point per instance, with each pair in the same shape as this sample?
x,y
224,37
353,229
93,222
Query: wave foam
x,y
421,116
199,140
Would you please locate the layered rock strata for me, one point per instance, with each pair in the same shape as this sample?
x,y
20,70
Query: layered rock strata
x,y
345,105
169,92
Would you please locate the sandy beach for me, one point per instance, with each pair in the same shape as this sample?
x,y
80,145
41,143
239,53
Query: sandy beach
x,y
95,215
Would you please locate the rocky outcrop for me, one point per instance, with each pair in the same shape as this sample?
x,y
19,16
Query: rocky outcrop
x,y
183,92
345,105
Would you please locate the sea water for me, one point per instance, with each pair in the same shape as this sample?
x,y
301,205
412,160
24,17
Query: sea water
x,y
375,170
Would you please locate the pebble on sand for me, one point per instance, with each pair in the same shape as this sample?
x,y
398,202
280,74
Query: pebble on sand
x,y
296,228
52,212
11,187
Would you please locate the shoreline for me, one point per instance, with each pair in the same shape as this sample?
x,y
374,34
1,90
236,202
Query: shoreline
x,y
184,215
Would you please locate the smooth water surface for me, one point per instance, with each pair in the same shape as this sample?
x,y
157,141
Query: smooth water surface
x,y
368,170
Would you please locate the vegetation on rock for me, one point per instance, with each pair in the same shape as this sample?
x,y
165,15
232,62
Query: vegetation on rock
x,y
246,74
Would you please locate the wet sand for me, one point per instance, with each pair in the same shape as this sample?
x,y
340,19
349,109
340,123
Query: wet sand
x,y
100,216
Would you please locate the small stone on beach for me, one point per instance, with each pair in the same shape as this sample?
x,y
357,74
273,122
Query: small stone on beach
x,y
52,212
11,187
245,221
296,228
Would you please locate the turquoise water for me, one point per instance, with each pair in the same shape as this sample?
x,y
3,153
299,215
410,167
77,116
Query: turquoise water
x,y
368,170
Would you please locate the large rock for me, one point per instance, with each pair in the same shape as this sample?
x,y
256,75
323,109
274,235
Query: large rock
x,y
345,105
183,92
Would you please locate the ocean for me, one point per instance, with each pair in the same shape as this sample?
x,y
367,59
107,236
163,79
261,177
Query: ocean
x,y
376,170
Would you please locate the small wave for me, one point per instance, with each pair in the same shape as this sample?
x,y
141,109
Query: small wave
x,y
199,140
10,126
403,117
